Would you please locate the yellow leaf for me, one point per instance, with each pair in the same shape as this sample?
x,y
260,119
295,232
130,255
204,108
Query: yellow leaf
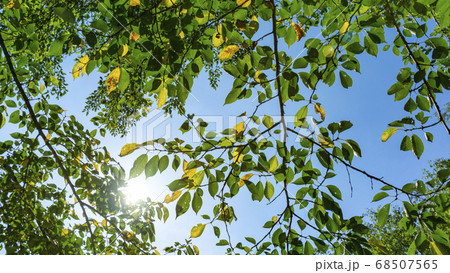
x,y
128,149
237,155
344,28
181,34
47,138
112,80
95,223
218,37
162,97
172,198
239,129
228,52
134,36
168,3
388,133
189,173
96,166
299,31
10,5
104,223
273,163
196,250
243,3
197,230
274,219
135,3
320,110
325,143
64,232
81,64
203,20
435,248
257,76
123,50
245,178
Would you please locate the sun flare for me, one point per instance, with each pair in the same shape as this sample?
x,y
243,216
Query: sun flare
x,y
137,190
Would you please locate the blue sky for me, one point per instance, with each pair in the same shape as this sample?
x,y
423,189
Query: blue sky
x,y
366,104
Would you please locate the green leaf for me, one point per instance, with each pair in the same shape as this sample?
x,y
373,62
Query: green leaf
x,y
300,63
423,103
273,163
138,166
417,145
388,133
308,249
269,190
232,96
335,191
100,25
213,188
410,105
216,231
56,48
197,202
370,46
346,81
379,196
300,116
183,204
406,144
152,167
410,187
65,14
383,214
163,163
124,79
355,48
178,184
267,121
355,147
443,174
429,136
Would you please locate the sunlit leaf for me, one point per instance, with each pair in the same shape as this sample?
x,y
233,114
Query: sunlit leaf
x,y
218,38
319,109
197,230
243,3
112,80
168,3
273,163
245,178
135,3
123,50
134,36
228,52
162,97
344,28
237,155
128,149
388,133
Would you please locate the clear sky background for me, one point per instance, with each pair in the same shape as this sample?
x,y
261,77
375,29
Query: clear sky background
x,y
366,104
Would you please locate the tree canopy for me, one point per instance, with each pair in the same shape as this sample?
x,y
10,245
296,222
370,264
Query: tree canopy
x,y
60,186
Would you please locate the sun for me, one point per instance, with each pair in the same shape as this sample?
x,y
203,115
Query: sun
x,y
136,190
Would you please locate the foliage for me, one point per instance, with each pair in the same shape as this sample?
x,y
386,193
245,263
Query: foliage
x,y
150,52
401,234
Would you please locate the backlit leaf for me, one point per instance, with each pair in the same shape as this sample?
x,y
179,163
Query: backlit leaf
x,y
123,50
344,28
134,36
417,145
197,230
112,80
128,149
228,52
217,38
243,3
273,164
388,133
245,178
135,3
162,97
319,109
